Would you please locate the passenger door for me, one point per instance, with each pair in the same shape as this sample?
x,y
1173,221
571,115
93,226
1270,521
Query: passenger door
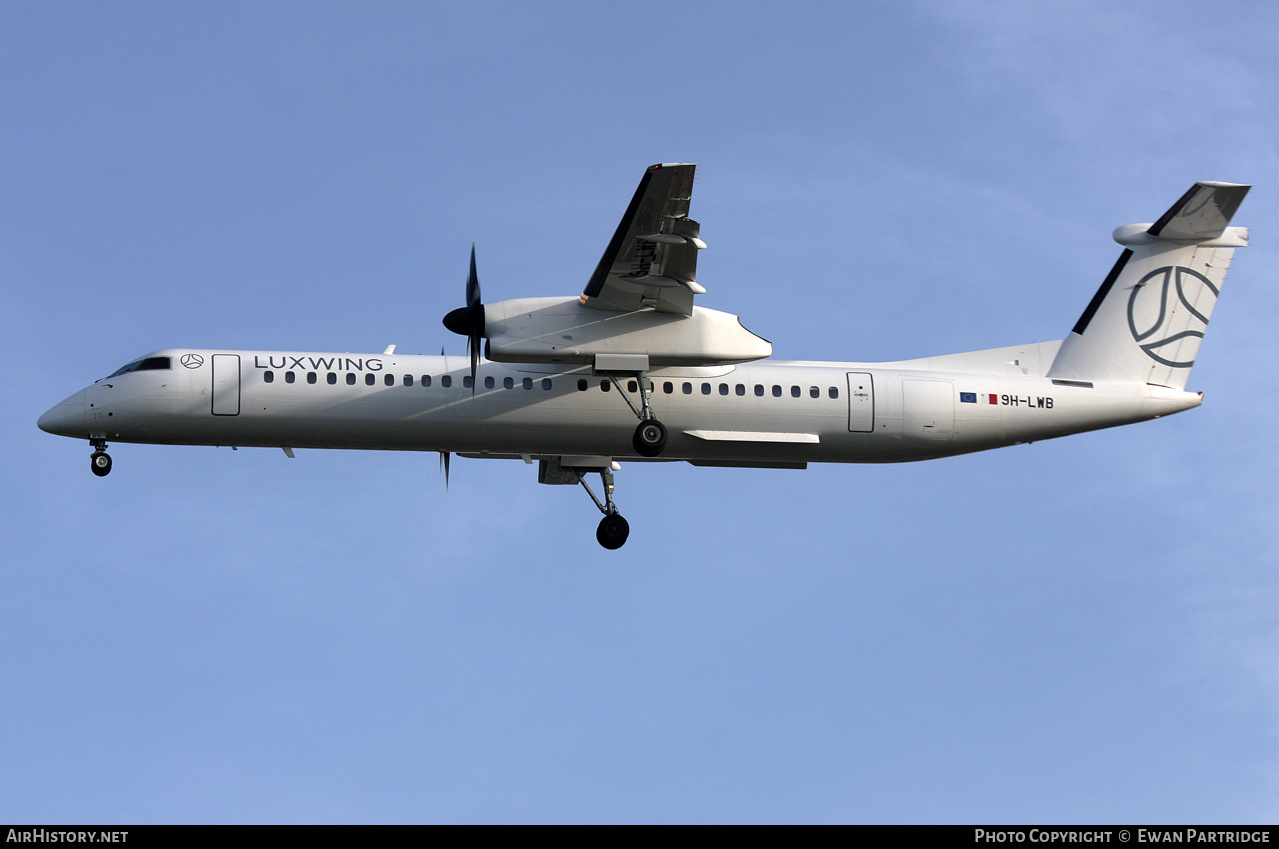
x,y
226,384
861,402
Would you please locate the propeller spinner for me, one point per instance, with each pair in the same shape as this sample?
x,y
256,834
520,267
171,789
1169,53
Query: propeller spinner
x,y
468,321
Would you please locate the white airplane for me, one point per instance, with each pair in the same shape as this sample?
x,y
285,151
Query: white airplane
x,y
564,379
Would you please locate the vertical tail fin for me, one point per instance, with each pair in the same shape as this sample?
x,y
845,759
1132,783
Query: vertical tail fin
x,y
1148,318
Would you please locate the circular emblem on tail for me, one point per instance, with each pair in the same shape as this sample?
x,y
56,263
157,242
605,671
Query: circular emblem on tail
x,y
1168,306
192,360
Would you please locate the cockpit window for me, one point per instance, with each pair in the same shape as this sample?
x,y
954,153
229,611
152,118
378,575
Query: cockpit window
x,y
146,364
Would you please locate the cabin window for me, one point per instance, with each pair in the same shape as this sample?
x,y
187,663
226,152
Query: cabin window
x,y
332,378
468,382
581,384
688,388
290,377
426,380
528,383
777,391
488,383
834,393
369,380
603,385
408,380
508,382
759,390
706,389
546,383
794,392
741,390
350,378
814,392
268,377
445,380
668,387
310,377
632,386
389,380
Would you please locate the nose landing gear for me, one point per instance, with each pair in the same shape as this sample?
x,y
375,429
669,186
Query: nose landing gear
x,y
100,461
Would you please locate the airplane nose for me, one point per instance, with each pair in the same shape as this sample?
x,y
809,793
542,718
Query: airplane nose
x,y
65,419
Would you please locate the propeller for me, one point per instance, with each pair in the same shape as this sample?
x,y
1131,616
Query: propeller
x,y
468,321
444,465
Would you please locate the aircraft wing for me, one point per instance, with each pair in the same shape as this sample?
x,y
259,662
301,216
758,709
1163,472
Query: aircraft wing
x,y
651,261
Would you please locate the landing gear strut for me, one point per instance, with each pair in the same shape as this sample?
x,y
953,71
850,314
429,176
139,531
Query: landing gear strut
x,y
100,461
613,529
650,434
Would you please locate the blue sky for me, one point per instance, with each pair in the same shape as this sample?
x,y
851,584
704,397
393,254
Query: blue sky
x,y
1079,630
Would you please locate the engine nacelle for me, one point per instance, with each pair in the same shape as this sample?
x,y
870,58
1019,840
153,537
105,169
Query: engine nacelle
x,y
561,330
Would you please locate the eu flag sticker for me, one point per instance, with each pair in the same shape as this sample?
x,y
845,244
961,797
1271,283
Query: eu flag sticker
x,y
968,397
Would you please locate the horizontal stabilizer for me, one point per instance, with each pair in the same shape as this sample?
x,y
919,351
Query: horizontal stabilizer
x,y
1202,214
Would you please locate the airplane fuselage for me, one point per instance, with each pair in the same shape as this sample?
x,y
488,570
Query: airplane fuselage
x,y
571,376
761,413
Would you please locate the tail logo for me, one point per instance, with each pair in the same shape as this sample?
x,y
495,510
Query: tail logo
x,y
1169,303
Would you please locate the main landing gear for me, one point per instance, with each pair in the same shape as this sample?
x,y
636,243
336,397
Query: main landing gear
x,y
100,461
613,529
650,435
649,438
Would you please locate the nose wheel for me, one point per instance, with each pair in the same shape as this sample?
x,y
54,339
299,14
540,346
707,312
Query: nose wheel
x,y
100,461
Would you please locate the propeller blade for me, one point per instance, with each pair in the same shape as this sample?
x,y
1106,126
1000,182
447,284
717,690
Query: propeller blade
x,y
468,321
476,307
474,346
444,465
472,283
